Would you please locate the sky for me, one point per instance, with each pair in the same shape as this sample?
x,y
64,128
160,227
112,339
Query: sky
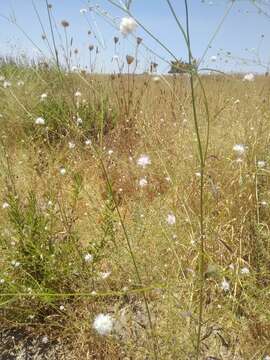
x,y
242,44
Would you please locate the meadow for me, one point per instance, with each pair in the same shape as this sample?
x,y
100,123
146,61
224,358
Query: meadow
x,y
103,192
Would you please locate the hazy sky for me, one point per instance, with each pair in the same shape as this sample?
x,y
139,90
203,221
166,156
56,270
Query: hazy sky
x,y
245,33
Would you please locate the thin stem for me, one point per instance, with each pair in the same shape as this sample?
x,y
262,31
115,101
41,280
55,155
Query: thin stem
x,y
53,37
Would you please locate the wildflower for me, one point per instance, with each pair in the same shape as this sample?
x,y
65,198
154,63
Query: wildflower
x,y
83,11
244,271
63,171
2,281
143,161
65,23
5,205
225,286
239,149
143,182
6,84
61,308
88,142
263,203
71,145
198,174
79,121
15,263
40,121
43,96
171,219
103,324
20,83
88,258
261,163
237,101
249,77
105,275
267,357
127,25
78,94
213,58
45,340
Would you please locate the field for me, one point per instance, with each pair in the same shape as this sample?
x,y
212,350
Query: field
x,y
101,209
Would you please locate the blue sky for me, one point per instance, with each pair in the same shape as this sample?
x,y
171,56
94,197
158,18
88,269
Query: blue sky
x,y
241,34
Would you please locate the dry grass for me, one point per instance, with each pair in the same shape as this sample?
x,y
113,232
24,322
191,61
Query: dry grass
x,y
50,241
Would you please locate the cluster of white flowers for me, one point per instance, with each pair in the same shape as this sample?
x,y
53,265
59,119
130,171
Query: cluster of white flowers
x,y
144,160
261,163
128,25
249,77
143,182
40,121
103,324
88,258
71,145
244,271
239,149
171,219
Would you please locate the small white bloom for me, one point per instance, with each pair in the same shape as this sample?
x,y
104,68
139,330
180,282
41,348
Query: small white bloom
x,y
20,83
74,68
171,219
198,174
83,11
104,275
110,152
71,145
40,121
225,285
45,340
213,58
236,102
43,96
78,94
5,205
62,308
127,25
6,84
267,357
143,182
261,164
103,324
263,203
2,281
79,121
144,160
63,171
239,149
249,77
88,142
244,270
88,257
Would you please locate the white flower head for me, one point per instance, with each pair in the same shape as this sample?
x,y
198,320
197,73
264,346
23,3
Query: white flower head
x,y
249,77
83,11
213,58
61,308
104,275
71,145
261,163
267,357
143,182
171,219
78,94
6,84
40,121
43,96
79,121
88,142
63,171
5,205
20,83
244,270
45,340
88,258
239,149
103,324
144,160
128,25
225,286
